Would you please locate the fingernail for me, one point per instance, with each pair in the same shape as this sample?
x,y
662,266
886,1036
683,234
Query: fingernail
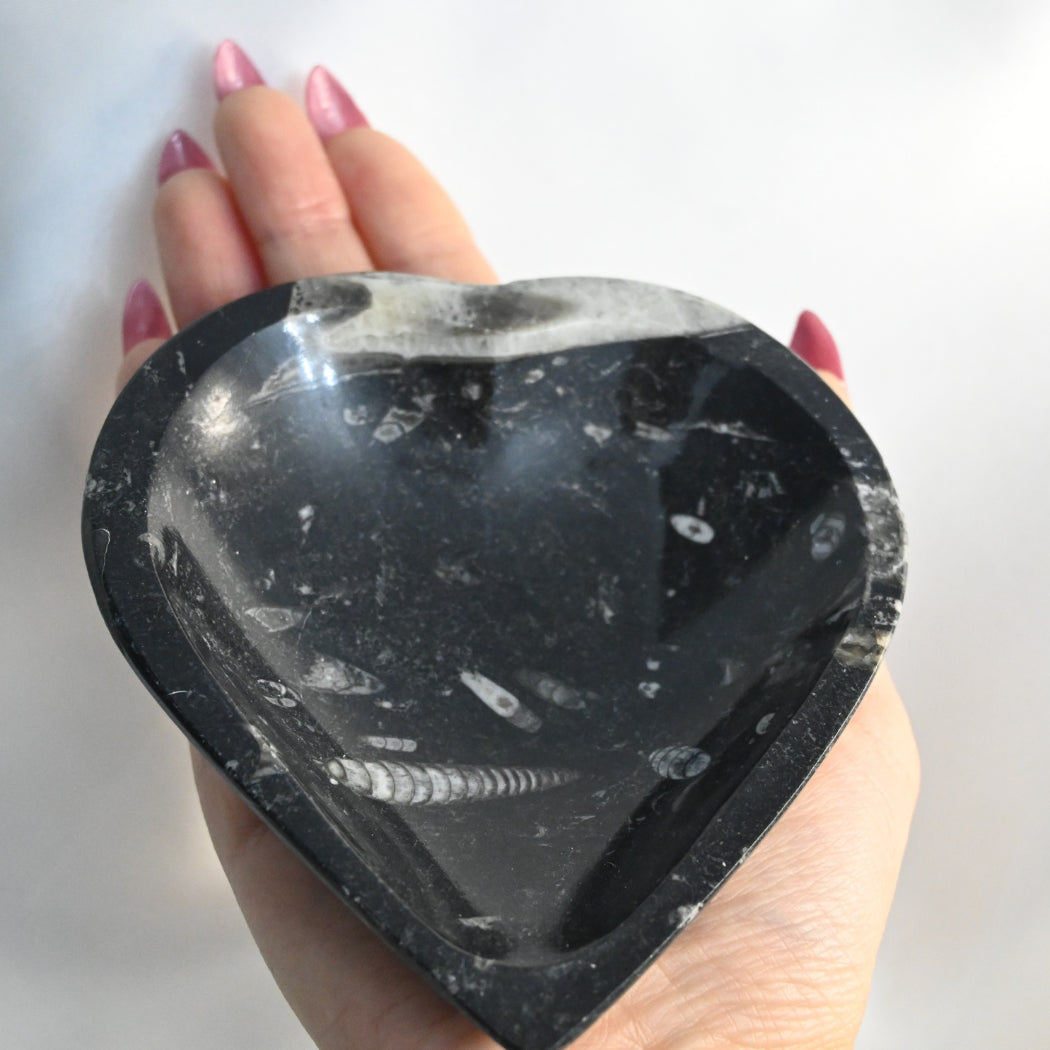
x,y
232,70
328,105
180,152
144,316
814,344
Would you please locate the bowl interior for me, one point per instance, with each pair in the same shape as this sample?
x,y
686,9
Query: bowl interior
x,y
517,627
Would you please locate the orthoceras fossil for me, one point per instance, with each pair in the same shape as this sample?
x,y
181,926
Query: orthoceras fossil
x,y
415,784
679,762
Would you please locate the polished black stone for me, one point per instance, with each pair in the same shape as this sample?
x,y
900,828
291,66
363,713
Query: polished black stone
x,y
521,613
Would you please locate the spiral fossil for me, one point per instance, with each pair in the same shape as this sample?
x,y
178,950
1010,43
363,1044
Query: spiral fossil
x,y
414,784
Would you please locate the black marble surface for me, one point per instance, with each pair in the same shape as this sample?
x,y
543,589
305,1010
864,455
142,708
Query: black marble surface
x,y
520,612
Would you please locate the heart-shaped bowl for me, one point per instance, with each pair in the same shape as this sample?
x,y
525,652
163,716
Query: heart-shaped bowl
x,y
520,612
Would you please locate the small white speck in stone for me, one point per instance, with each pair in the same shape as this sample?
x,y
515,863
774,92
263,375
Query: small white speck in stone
x,y
472,391
597,433
763,725
304,588
649,689
558,360
652,665
355,415
534,376
685,914
481,922
306,517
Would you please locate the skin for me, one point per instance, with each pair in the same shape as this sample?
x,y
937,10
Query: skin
x,y
783,955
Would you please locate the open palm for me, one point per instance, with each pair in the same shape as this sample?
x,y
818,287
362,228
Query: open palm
x,y
783,955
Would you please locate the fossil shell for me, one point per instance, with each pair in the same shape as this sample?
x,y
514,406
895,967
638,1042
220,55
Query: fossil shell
x,y
329,675
389,743
679,762
413,784
550,689
277,693
504,703
826,532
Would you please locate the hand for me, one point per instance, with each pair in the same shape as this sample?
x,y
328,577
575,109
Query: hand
x,y
783,955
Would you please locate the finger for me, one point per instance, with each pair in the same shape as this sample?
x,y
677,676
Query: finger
x,y
206,253
405,219
288,194
815,345
144,327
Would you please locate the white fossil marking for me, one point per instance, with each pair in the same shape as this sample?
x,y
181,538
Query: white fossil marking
x,y
390,743
534,375
651,433
597,433
763,724
826,532
761,484
649,689
277,693
679,762
330,675
413,784
274,618
481,922
306,517
355,415
694,529
734,430
504,703
397,423
685,914
548,688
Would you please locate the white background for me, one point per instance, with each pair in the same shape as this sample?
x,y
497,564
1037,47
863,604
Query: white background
x,y
883,164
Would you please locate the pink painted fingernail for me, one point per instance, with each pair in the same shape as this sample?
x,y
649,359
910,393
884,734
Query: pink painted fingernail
x,y
232,70
328,105
144,316
180,152
814,344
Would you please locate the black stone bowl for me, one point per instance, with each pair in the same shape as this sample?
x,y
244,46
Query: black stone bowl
x,y
521,613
